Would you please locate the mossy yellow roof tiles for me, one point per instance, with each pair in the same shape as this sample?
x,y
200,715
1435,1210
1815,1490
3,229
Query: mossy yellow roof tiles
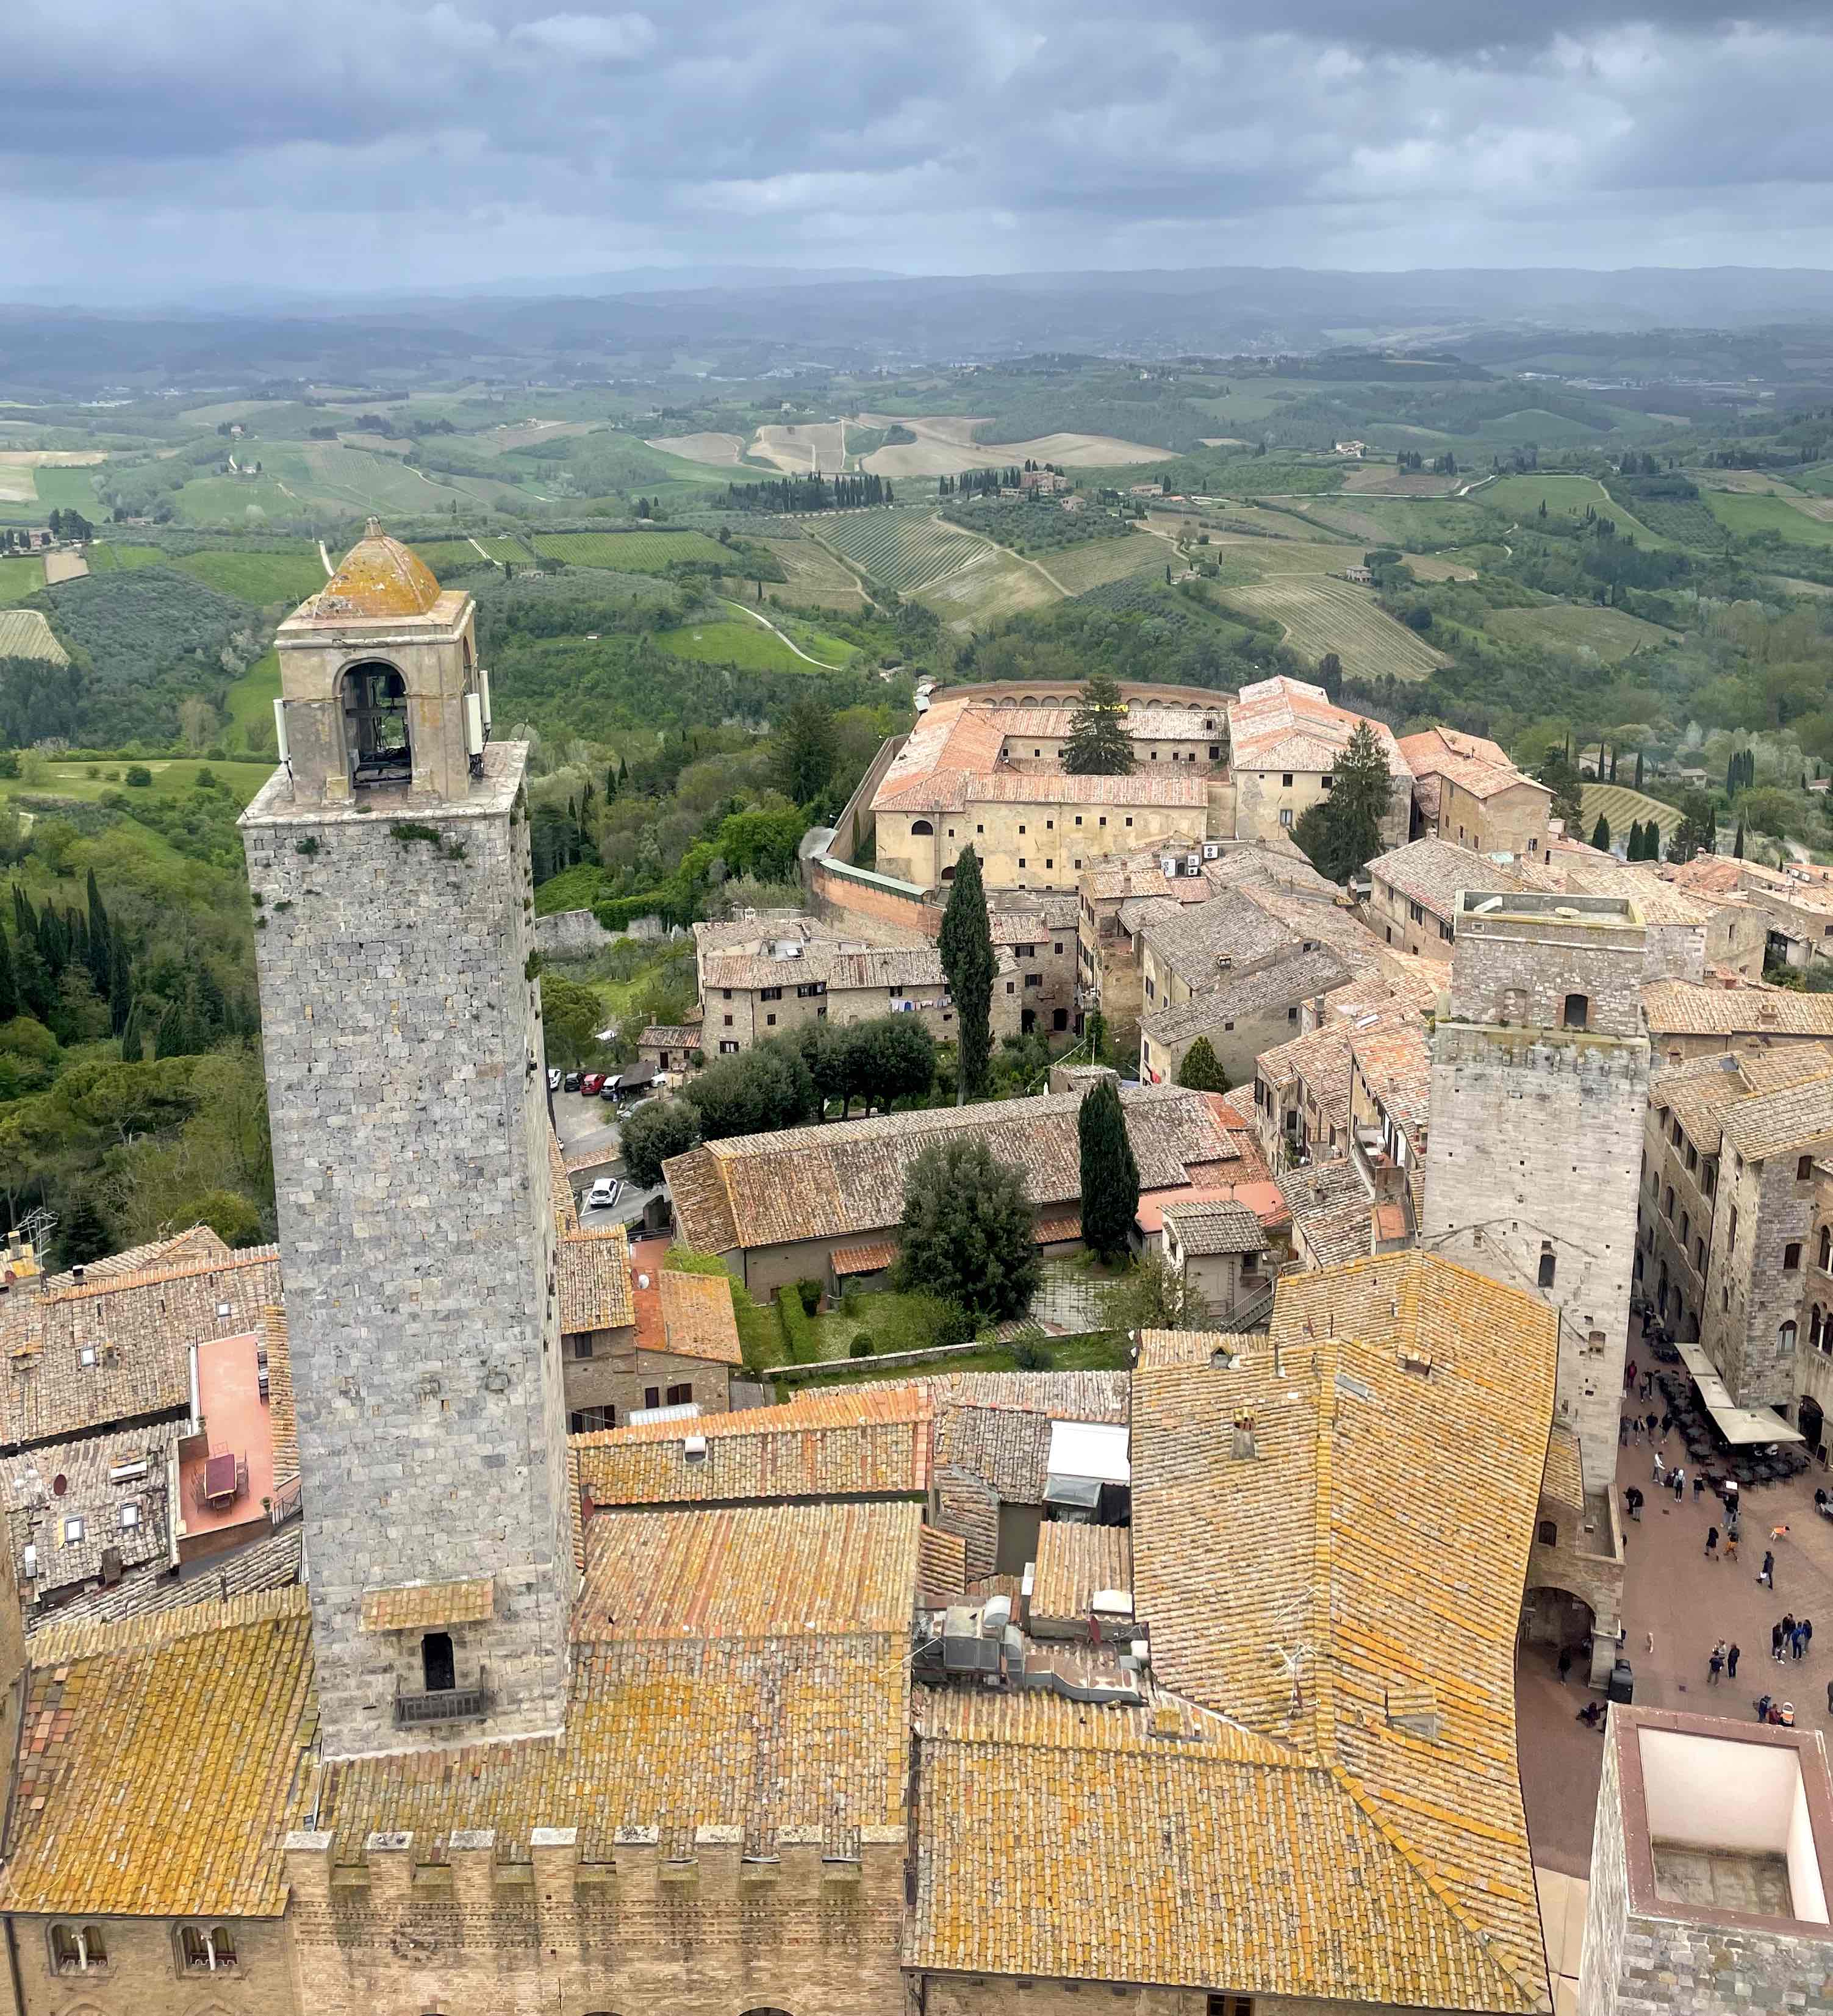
x,y
162,1760
1365,1559
762,1734
428,1606
379,577
750,1571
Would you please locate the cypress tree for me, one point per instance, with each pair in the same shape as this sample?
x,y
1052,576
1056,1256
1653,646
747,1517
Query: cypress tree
x,y
99,958
8,987
1110,1175
1202,1070
1638,769
1738,844
1601,834
967,948
1632,847
121,987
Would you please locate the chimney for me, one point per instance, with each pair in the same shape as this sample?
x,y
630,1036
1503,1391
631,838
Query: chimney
x,y
76,1273
1246,1447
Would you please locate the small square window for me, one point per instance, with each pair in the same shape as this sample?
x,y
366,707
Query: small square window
x,y
1103,820
130,1517
1079,818
727,1021
1021,861
1011,987
980,829
1021,828
770,1021
1129,819
1049,862
1078,862
1804,1168
73,1532
1287,780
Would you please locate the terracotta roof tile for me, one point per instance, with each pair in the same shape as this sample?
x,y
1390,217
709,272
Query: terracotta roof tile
x,y
1286,724
1074,1563
697,1318
941,1568
595,1281
426,1606
1687,1008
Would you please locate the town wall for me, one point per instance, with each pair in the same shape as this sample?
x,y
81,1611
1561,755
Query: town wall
x,y
401,1032
897,911
1042,845
711,1936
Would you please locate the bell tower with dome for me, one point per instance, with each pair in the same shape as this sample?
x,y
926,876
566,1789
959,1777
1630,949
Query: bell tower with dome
x,y
389,865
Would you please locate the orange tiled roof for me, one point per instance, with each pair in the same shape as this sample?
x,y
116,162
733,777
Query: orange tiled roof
x,y
595,1281
697,1320
426,1605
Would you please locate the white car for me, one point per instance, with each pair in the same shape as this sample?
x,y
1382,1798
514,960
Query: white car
x,y
554,1081
603,1193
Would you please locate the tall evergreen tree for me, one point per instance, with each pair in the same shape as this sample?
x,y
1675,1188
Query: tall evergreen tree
x,y
967,948
1738,844
1342,833
1601,834
1638,769
1202,1070
1098,744
1632,846
1110,1175
99,958
8,987
120,985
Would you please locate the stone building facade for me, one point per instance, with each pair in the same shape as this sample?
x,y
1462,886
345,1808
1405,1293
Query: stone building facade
x,y
1539,1076
401,1030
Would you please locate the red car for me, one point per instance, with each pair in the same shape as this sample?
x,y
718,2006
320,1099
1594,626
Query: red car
x,y
591,1084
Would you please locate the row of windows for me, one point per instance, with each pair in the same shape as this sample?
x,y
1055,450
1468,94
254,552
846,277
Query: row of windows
x,y
83,1949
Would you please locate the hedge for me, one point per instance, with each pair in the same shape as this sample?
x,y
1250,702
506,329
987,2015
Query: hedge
x,y
796,1326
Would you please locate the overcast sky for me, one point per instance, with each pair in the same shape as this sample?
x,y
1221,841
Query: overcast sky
x,y
172,145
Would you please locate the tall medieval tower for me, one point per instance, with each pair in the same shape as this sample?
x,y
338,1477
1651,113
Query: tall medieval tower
x,y
1539,1078
388,859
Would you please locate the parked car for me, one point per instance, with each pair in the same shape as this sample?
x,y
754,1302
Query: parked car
x,y
554,1081
609,1088
593,1084
603,1193
573,1079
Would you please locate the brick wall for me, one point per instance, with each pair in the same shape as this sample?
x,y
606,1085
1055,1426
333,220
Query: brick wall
x,y
899,912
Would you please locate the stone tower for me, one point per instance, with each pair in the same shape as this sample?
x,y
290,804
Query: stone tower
x,y
388,860
1540,1078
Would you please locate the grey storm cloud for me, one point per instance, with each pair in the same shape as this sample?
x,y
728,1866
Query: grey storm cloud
x,y
368,144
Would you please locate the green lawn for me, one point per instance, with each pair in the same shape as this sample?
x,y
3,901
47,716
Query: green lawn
x,y
69,490
250,699
1745,514
1611,633
1099,1352
21,575
734,641
108,556
171,777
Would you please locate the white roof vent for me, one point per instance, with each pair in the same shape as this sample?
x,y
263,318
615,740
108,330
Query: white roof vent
x,y
693,1447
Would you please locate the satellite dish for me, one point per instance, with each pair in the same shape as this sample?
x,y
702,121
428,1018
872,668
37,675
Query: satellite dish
x,y
642,1280
59,1484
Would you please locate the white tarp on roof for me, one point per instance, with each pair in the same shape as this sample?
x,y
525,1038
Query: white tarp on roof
x,y
1093,1450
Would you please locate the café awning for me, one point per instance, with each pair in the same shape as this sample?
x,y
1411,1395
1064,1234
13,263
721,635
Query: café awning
x,y
1740,1426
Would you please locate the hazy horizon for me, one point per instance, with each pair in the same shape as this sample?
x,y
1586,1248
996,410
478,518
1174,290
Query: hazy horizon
x,y
172,150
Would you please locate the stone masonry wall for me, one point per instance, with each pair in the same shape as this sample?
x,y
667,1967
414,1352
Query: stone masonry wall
x,y
144,1978
1535,1136
711,1937
404,1062
1004,1995
1607,1904
1773,1209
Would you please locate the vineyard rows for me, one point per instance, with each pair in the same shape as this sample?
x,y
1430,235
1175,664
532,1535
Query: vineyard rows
x,y
902,550
1321,614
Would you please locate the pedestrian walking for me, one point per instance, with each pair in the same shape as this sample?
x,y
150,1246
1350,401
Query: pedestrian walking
x,y
1677,1483
1731,1659
1731,1545
1633,1500
1650,1424
1698,1485
1565,1663
1776,1641
1661,1468
1712,1544
1630,1376
1807,1630
1667,1425
1798,1643
1766,1574
1716,1664
1623,1431
1779,1532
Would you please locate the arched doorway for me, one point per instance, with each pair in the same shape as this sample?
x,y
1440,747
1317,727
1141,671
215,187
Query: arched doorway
x,y
376,742
1554,1617
1813,1422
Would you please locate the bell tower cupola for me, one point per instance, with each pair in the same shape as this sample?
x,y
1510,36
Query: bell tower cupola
x,y
379,685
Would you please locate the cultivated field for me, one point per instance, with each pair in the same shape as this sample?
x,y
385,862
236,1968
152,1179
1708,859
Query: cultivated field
x,y
815,576
944,446
1253,560
1440,567
1623,807
107,557
1521,496
24,633
900,549
21,575
631,552
1399,521
1099,561
717,450
261,578
1320,613
64,566
994,584
802,447
1392,482
18,467
1788,518
526,434
749,646
1609,634
171,777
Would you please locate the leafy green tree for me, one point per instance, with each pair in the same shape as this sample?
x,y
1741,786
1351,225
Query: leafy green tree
x,y
1342,833
759,1091
967,948
762,843
1152,1294
898,1058
1600,833
1110,1175
805,750
1202,1070
652,1133
966,1232
570,1014
1098,744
